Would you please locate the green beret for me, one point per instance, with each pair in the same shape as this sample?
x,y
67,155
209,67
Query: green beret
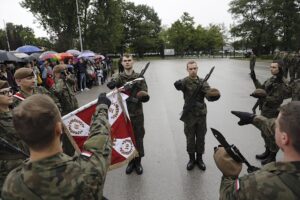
x,y
212,94
3,84
259,93
23,73
226,164
59,68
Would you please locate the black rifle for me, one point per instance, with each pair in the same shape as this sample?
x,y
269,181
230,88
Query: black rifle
x,y
189,104
144,70
11,147
233,151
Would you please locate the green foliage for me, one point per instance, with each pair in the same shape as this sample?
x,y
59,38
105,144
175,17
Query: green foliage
x,y
141,28
265,24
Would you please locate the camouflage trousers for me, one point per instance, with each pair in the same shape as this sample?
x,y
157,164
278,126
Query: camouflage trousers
x,y
195,135
139,133
5,167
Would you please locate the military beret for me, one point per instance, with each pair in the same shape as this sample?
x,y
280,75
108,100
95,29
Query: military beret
x,y
212,94
23,73
143,96
259,93
3,84
226,164
59,68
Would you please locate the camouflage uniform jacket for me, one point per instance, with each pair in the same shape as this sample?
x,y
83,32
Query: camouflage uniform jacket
x,y
294,90
36,90
9,159
64,93
63,177
276,180
276,92
135,107
188,88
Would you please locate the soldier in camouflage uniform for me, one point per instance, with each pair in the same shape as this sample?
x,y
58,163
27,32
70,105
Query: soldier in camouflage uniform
x,y
25,80
49,173
293,66
63,84
8,159
138,94
195,125
286,63
277,180
276,90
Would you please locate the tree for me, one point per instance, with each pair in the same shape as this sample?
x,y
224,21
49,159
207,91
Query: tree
x,y
58,17
141,28
104,31
181,33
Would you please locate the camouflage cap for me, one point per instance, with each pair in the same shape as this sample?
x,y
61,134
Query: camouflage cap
x,y
23,73
3,84
59,68
226,164
213,94
259,93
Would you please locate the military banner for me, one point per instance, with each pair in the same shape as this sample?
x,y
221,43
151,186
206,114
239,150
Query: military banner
x,y
77,122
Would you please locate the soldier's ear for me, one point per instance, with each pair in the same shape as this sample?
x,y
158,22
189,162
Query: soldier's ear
x,y
285,140
58,129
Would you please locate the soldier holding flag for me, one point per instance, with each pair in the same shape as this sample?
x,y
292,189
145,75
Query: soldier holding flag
x,y
138,94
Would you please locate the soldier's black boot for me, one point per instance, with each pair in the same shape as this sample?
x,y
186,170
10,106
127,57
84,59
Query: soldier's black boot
x,y
270,158
130,167
138,165
191,162
200,162
264,155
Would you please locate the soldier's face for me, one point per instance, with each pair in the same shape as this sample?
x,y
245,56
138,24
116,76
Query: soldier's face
x,y
6,97
274,68
192,70
127,62
27,82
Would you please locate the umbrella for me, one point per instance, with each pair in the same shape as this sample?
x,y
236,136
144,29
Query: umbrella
x,y
6,56
23,56
51,56
28,49
65,55
45,53
100,57
74,52
36,55
87,53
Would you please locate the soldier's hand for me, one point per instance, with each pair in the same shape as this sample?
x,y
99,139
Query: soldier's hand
x,y
111,85
178,85
245,117
102,99
226,164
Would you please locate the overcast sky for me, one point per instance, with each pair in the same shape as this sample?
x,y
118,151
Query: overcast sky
x,y
203,11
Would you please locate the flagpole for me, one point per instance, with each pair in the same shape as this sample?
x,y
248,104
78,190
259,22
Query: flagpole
x,y
5,27
79,27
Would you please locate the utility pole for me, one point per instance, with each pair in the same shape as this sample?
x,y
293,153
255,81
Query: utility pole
x,y
5,28
79,27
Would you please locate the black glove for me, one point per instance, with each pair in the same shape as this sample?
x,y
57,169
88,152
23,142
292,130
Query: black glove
x,y
253,75
102,99
178,85
245,117
111,85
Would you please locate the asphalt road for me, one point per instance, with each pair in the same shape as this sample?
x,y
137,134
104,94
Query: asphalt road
x,y
165,175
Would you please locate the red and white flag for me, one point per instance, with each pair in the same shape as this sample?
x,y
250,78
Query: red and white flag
x,y
78,124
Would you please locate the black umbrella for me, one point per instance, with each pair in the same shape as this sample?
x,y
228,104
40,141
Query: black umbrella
x,y
6,56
